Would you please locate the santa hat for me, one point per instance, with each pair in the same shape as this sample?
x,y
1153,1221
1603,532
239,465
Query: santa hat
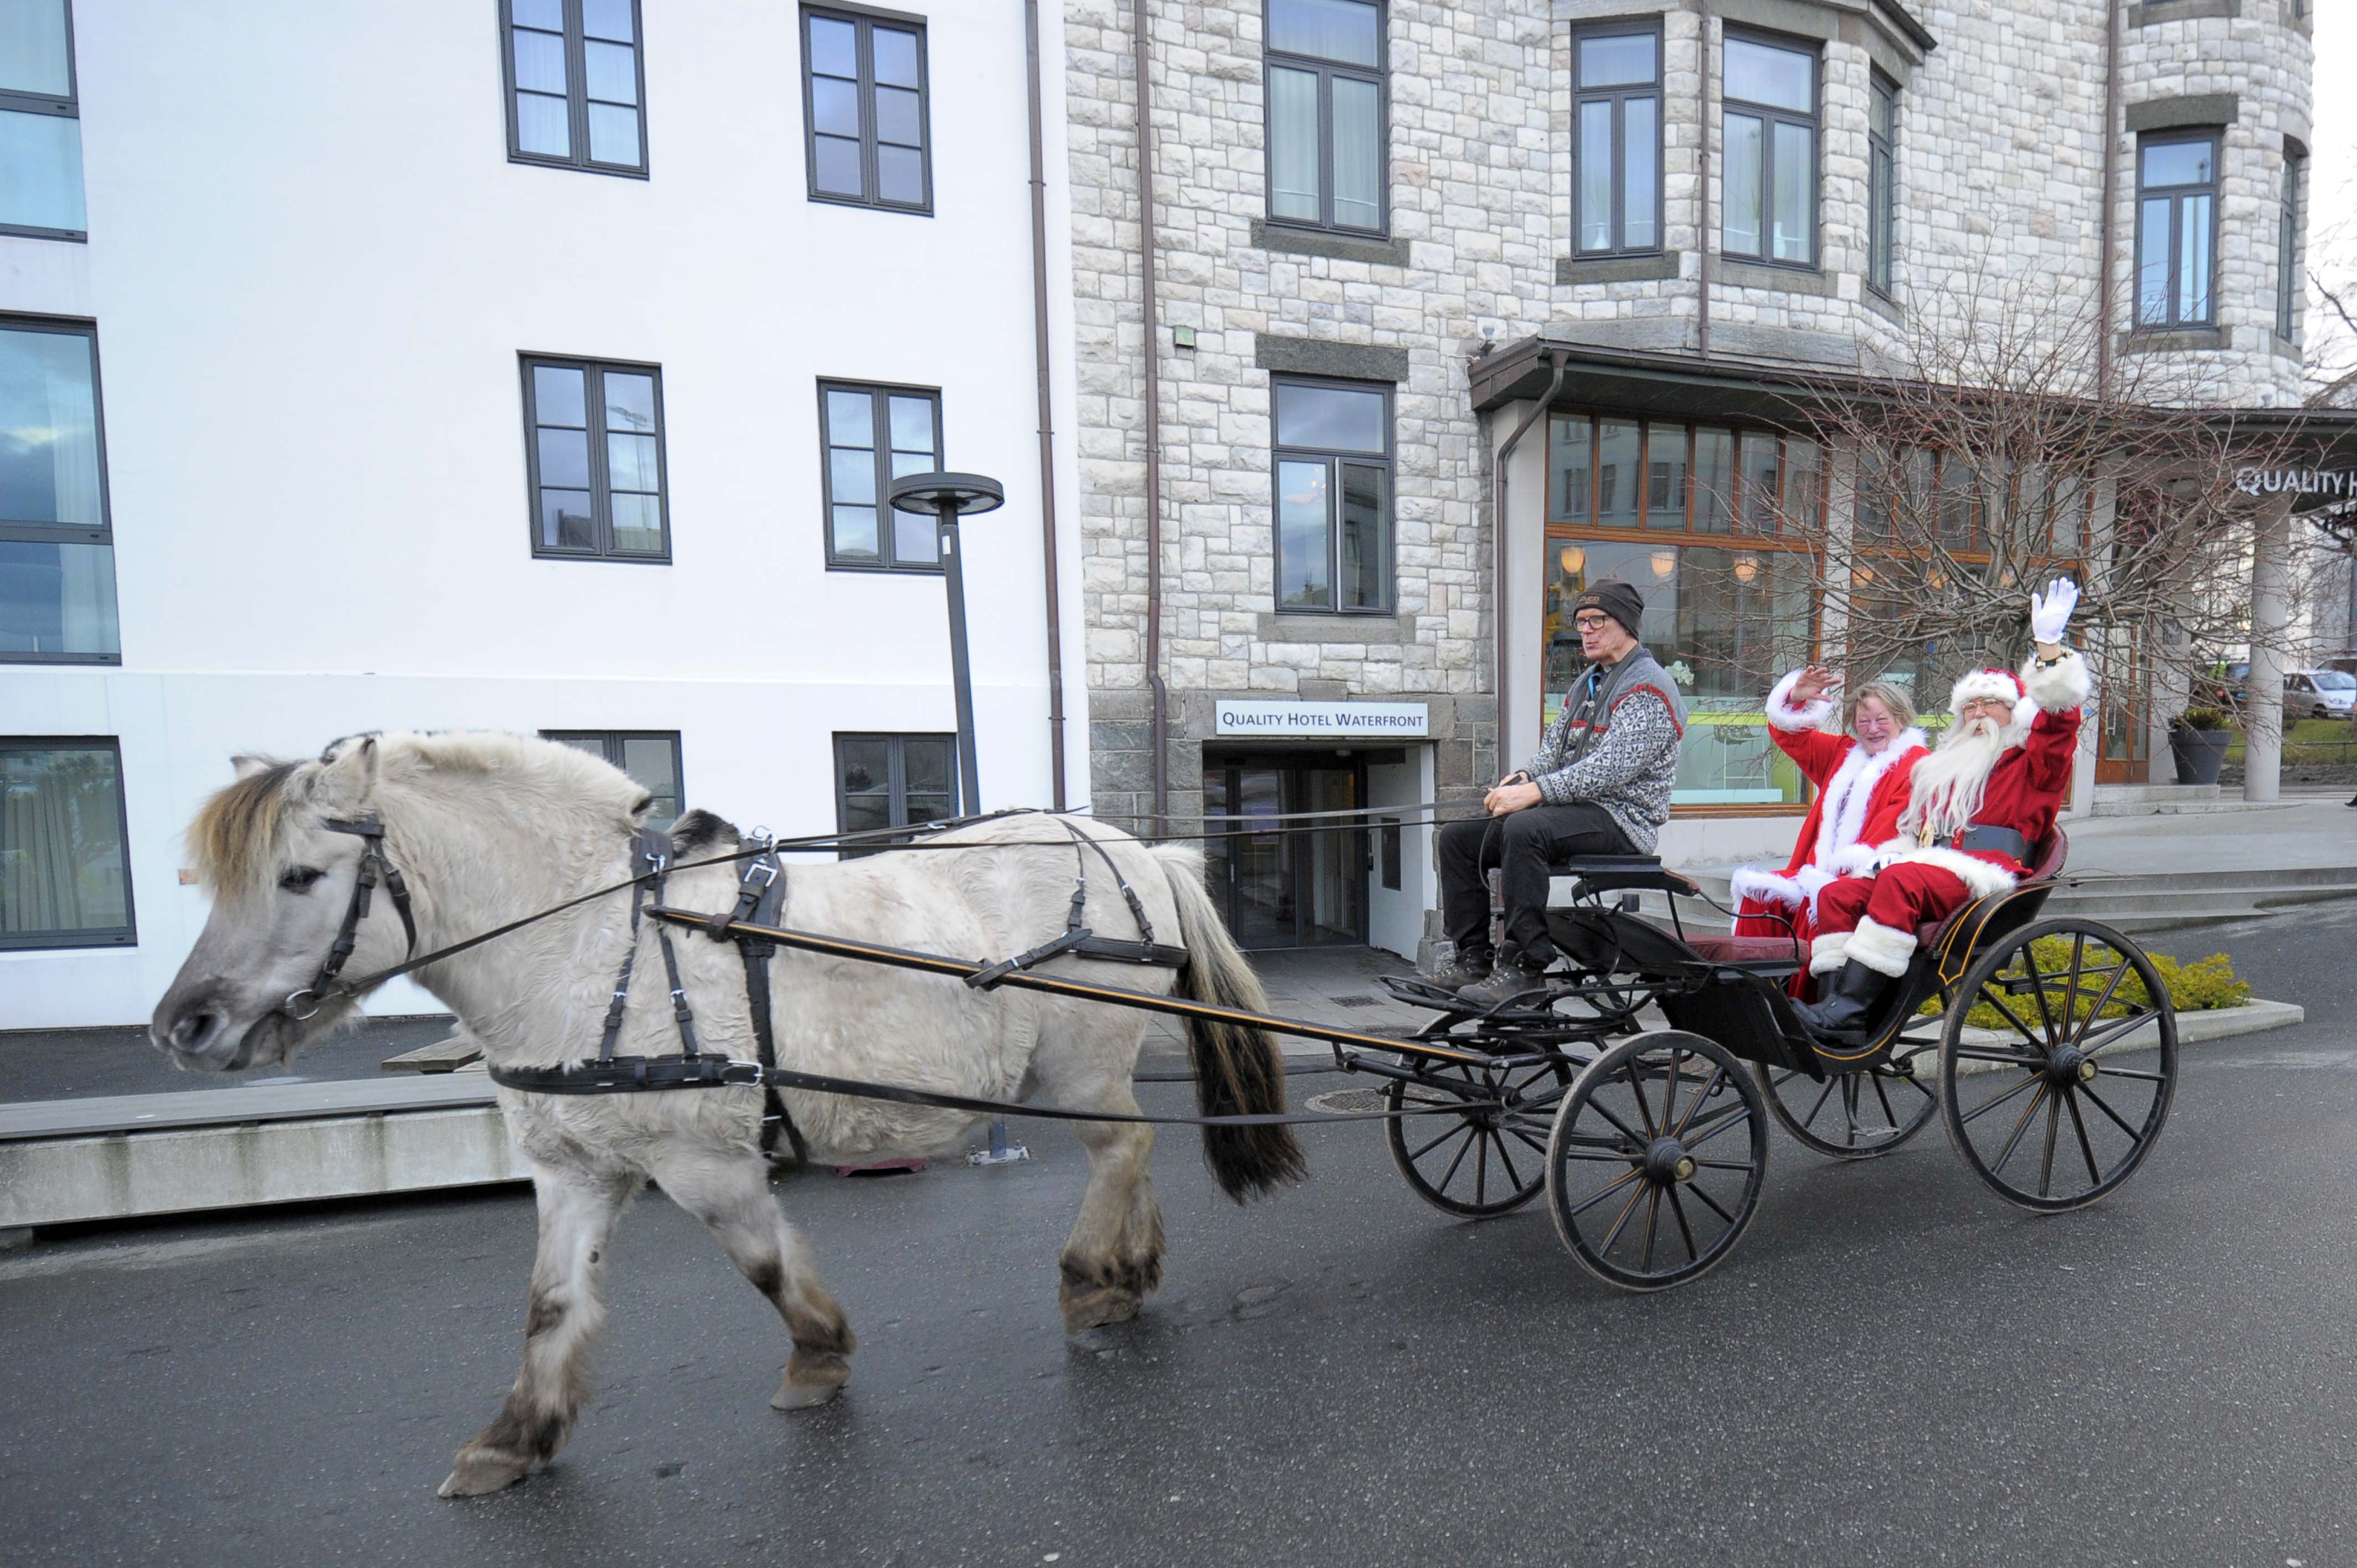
x,y
2002,684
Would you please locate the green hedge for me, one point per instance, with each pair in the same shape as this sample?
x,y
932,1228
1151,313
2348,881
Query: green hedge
x,y
2200,986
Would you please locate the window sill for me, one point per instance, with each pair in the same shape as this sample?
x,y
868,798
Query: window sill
x,y
1577,269
1735,272
1293,241
531,161
2285,348
69,941
2153,13
1328,626
876,569
2176,340
588,560
924,211
27,231
1882,305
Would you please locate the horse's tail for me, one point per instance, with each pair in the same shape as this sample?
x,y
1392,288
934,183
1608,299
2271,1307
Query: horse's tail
x,y
1238,1069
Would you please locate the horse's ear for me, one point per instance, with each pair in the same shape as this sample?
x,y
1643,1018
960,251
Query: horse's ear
x,y
350,773
243,767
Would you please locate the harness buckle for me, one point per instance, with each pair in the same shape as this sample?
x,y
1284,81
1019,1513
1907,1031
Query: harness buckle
x,y
766,869
288,1007
735,1074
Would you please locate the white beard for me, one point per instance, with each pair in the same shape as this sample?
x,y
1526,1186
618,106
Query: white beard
x,y
1945,788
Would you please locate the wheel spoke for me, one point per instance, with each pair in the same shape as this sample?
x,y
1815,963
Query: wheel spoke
x,y
1708,1088
1480,1167
1992,1053
1506,1164
1652,1225
1685,1231
2037,986
1442,1185
2103,1105
1875,1078
1990,996
1670,1091
2086,1150
2020,1128
1709,1202
1637,1088
1983,1110
2046,1166
1607,1190
1735,1115
1823,1095
2140,1077
1625,1130
1627,1209
1541,1146
2127,1024
1445,1134
1722,1164
2096,1012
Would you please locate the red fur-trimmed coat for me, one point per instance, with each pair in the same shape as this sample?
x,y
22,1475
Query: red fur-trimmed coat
x,y
1859,798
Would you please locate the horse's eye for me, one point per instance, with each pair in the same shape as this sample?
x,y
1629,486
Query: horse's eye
x,y
300,878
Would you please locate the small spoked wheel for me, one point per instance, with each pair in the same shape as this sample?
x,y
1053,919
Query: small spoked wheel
x,y
1850,1115
1657,1158
2057,1064
1482,1150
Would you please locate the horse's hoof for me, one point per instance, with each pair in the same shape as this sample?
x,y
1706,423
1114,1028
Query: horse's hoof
x,y
1097,1308
479,1473
811,1380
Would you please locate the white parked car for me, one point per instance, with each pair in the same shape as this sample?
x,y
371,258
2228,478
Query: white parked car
x,y
2319,694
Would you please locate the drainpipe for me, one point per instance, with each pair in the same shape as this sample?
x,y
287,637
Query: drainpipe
x,y
2111,174
1561,359
1047,410
1161,724
1702,199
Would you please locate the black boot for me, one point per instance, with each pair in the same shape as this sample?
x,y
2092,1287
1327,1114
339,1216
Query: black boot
x,y
1470,967
1516,974
1844,1014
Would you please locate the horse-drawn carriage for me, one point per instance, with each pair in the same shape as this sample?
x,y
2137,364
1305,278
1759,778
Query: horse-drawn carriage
x,y
1650,1142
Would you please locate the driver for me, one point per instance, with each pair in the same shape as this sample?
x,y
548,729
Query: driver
x,y
1599,785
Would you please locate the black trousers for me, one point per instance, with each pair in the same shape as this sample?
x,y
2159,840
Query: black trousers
x,y
1522,844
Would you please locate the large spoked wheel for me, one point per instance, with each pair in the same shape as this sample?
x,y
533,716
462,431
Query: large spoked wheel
x,y
1657,1158
1487,1157
1853,1115
2057,1064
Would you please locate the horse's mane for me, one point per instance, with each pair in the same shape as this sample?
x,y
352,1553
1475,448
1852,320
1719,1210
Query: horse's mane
x,y
238,831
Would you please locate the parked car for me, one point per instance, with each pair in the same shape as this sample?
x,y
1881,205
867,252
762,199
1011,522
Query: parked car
x,y
2319,694
2344,662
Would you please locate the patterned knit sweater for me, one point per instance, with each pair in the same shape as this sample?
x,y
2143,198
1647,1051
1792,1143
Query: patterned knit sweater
x,y
1628,765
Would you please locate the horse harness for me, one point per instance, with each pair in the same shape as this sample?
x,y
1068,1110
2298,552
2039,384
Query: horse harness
x,y
373,866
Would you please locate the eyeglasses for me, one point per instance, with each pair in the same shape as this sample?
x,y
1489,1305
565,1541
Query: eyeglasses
x,y
1591,623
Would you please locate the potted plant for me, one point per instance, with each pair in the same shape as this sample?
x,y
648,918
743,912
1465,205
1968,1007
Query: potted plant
x,y
2198,739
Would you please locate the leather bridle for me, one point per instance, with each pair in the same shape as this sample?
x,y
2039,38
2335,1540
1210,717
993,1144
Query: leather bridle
x,y
305,1004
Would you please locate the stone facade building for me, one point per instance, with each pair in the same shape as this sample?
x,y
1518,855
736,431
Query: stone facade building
x,y
1589,234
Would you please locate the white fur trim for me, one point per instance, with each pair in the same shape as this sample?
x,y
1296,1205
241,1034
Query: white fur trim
x,y
1882,948
1849,796
1974,684
1769,887
1852,860
1980,877
1827,953
2057,687
1813,880
1786,718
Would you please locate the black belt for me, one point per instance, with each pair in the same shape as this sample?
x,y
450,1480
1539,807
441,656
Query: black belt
x,y
1983,837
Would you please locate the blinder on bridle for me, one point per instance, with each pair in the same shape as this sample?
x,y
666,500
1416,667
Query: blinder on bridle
x,y
301,1005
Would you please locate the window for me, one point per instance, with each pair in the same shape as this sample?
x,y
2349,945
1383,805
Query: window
x,y
870,436
864,104
65,875
650,757
1334,496
1713,526
596,455
576,86
2287,247
2176,226
893,782
1882,185
1325,98
1617,151
40,122
1771,137
57,550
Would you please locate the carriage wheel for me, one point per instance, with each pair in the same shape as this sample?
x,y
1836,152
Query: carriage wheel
x,y
1657,1160
2065,1105
1853,1115
1489,1158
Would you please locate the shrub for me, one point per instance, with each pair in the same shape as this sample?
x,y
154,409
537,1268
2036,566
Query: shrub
x,y
2201,986
2205,719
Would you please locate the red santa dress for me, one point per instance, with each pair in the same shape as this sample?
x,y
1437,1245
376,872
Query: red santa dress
x,y
1859,798
1874,920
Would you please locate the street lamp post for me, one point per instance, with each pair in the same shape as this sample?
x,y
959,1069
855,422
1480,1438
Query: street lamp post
x,y
950,497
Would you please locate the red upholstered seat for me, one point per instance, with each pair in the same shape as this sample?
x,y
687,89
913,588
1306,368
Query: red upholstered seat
x,y
1744,950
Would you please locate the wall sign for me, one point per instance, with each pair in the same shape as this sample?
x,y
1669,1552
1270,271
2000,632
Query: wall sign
x,y
2300,481
1325,721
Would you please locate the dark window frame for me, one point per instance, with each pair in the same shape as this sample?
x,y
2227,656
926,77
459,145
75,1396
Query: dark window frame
x,y
886,530
1882,186
2289,246
1770,116
18,532
602,489
896,788
868,21
1333,457
612,739
66,108
1378,76
1617,97
2177,196
577,94
127,934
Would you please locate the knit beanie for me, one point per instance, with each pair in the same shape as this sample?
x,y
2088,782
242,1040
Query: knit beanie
x,y
1617,600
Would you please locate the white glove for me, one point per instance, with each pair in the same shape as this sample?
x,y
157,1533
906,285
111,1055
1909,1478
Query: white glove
x,y
2050,612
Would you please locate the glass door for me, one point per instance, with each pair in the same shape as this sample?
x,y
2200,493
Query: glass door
x,y
1279,889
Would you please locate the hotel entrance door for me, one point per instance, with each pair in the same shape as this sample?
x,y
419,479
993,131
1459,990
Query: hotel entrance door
x,y
1285,889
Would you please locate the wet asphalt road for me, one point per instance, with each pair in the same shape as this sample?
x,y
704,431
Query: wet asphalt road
x,y
1892,1368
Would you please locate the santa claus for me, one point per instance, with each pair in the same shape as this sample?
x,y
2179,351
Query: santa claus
x,y
1861,781
1977,807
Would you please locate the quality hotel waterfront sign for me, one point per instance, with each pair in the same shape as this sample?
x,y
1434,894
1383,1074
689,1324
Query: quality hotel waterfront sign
x,y
2298,481
1325,721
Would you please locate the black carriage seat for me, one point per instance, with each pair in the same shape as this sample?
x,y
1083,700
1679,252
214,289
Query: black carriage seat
x,y
1622,873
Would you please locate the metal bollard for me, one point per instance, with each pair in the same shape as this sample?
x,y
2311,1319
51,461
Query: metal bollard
x,y
1001,1152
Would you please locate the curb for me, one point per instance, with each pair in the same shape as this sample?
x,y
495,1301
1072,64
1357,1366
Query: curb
x,y
2253,1017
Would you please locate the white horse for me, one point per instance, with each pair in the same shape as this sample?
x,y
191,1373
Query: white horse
x,y
488,828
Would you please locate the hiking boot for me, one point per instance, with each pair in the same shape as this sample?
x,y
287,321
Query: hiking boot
x,y
1513,976
1470,967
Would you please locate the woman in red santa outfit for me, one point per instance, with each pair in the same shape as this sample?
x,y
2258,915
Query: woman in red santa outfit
x,y
1861,779
1977,808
